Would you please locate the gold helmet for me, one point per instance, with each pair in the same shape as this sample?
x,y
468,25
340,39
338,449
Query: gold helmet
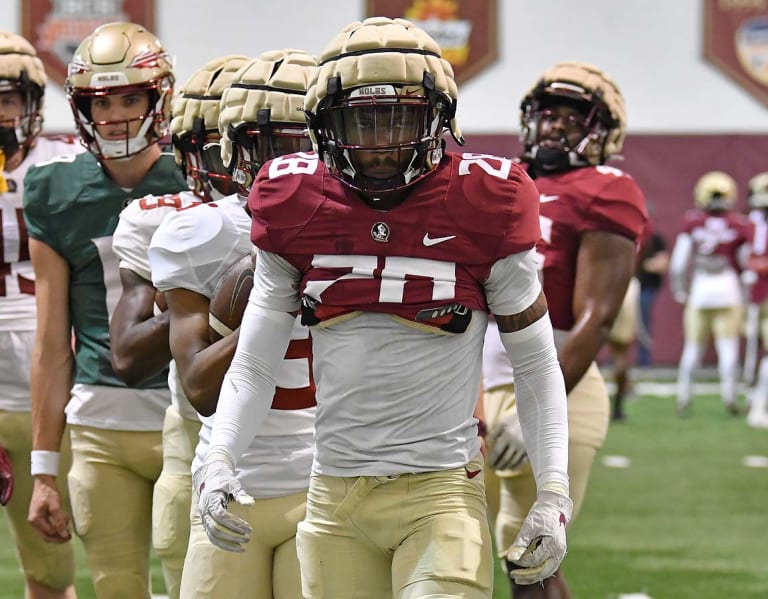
x,y
382,90
21,71
195,131
262,113
592,93
715,191
119,58
758,191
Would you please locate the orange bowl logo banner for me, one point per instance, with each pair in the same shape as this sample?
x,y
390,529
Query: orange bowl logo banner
x,y
56,27
466,30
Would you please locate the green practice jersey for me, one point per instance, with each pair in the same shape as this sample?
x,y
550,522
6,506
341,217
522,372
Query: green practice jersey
x,y
71,205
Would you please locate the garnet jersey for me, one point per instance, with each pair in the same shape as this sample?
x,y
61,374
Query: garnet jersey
x,y
716,240
191,250
432,252
17,287
599,198
461,243
72,206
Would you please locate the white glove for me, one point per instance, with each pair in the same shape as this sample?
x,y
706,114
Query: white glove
x,y
540,546
216,486
505,442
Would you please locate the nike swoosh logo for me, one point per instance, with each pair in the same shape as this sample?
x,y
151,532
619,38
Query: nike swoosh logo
x,y
435,240
544,198
472,473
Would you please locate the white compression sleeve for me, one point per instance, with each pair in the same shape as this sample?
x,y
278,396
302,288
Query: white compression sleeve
x,y
249,385
541,400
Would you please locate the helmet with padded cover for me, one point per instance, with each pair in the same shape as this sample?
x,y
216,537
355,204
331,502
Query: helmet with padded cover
x,y
262,112
195,128
380,104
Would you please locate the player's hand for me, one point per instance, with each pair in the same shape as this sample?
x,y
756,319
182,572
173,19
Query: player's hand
x,y
506,449
681,297
540,546
6,477
216,486
45,511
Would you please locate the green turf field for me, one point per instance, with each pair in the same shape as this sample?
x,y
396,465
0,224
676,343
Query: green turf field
x,y
685,520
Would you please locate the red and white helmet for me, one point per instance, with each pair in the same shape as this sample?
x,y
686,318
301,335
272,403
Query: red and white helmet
x,y
118,58
382,89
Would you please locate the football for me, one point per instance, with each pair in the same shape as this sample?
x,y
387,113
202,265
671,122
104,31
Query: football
x,y
230,298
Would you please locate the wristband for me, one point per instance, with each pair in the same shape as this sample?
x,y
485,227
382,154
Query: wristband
x,y
44,462
482,427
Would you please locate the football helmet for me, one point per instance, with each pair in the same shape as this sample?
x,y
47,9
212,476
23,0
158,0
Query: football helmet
x,y
262,113
602,117
21,71
195,129
380,104
715,191
758,191
119,58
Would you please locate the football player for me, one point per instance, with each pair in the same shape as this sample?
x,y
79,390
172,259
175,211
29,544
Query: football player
x,y
260,117
757,311
592,215
395,251
708,255
48,568
138,332
119,86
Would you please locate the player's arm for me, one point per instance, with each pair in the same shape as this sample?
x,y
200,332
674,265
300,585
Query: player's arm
x,y
678,267
138,339
50,384
201,364
246,397
518,303
605,265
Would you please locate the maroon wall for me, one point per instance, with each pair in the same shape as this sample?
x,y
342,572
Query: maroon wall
x,y
666,167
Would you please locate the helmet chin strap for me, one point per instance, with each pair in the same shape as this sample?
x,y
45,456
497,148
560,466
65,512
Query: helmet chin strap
x,y
124,148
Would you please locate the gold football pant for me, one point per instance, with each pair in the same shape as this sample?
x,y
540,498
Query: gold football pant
x,y
413,536
111,483
588,414
268,567
173,496
50,564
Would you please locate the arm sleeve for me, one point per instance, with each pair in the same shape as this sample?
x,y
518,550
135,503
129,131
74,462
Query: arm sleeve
x,y
678,263
541,400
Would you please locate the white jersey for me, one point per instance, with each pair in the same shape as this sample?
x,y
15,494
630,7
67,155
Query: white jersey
x,y
17,287
438,375
138,222
191,250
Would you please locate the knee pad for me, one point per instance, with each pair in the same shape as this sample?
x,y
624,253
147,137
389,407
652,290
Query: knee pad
x,y
171,502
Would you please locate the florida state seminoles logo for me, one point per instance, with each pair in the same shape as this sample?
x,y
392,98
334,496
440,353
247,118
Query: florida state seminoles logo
x,y
56,27
380,232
